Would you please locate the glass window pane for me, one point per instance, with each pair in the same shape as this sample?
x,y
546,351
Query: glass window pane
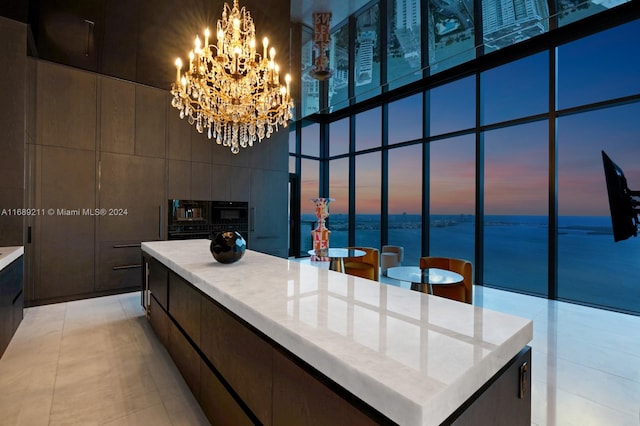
x,y
516,90
404,52
452,197
339,62
292,164
451,34
405,201
453,106
516,208
367,65
310,144
292,140
309,188
571,10
368,200
592,268
405,119
310,87
600,67
506,23
338,222
339,137
369,129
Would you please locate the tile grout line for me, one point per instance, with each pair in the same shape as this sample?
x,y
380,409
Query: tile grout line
x,y
53,391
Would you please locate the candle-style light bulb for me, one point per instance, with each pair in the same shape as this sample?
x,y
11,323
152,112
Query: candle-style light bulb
x,y
265,44
206,38
197,49
178,68
287,79
191,57
220,41
252,47
272,53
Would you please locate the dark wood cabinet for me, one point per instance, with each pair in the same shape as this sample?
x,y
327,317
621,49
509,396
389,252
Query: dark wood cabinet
x,y
118,265
158,282
134,184
186,359
503,401
216,402
184,306
11,301
159,321
132,197
301,399
64,238
241,357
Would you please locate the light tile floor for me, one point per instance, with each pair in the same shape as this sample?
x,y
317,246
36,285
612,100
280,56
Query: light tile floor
x,y
97,362
92,362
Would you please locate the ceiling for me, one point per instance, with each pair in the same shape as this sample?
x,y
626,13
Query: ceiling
x,y
302,10
138,40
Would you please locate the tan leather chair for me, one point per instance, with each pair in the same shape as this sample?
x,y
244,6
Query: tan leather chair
x,y
367,266
462,292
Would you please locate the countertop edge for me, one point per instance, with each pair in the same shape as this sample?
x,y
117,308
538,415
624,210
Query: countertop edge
x,y
9,254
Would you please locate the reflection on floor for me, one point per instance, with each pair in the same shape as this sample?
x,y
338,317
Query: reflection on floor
x,y
97,361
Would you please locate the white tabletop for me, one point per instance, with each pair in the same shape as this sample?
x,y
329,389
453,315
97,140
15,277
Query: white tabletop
x,y
338,252
414,357
433,276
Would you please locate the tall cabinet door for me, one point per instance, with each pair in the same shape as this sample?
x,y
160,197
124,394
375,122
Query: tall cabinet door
x,y
64,237
132,194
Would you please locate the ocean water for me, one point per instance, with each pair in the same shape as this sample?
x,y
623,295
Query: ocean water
x,y
592,268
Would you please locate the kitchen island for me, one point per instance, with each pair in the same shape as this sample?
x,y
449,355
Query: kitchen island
x,y
272,341
11,293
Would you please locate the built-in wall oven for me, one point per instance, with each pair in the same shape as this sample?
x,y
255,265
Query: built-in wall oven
x,y
191,219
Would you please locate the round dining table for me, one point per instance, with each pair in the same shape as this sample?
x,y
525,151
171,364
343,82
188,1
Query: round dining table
x,y
419,278
336,256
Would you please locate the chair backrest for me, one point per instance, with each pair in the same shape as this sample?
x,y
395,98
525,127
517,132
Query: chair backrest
x,y
367,266
462,292
394,249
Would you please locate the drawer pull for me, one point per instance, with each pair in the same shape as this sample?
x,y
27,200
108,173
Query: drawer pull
x,y
118,268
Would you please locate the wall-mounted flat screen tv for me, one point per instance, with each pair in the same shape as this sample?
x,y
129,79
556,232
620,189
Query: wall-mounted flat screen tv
x,y
624,214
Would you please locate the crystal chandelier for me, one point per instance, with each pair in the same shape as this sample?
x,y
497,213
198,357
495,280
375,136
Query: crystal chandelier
x,y
229,90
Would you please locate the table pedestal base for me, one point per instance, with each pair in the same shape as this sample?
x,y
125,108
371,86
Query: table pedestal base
x,y
336,264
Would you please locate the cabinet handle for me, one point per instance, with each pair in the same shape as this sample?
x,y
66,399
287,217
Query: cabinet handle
x,y
28,235
524,382
126,245
252,219
118,268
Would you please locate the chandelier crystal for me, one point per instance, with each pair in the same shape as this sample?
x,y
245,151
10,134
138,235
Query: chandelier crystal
x,y
229,90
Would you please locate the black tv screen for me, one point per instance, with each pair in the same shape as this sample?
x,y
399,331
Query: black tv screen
x,y
621,204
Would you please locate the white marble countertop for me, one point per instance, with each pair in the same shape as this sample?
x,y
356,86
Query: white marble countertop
x,y
414,357
9,254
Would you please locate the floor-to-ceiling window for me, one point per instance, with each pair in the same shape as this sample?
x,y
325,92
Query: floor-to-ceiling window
x,y
405,200
452,197
367,200
592,268
519,135
516,207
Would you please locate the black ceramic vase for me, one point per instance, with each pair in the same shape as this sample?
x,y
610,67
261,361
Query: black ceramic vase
x,y
228,246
